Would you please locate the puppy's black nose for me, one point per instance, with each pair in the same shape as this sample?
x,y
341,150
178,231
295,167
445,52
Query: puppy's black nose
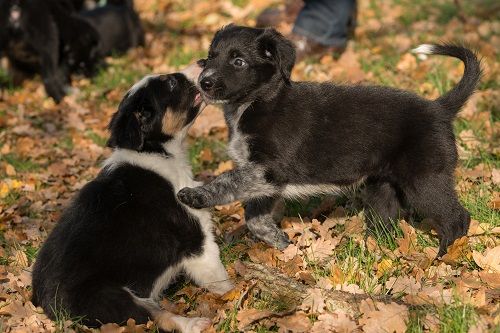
x,y
207,83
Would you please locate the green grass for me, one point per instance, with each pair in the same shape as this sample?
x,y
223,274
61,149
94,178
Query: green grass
x,y
229,323
11,198
230,252
180,57
62,317
240,3
266,301
476,201
114,76
386,234
97,139
456,318
21,164
217,147
31,253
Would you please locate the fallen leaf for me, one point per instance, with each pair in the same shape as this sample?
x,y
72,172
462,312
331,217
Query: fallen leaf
x,y
337,321
246,317
456,251
314,301
297,323
490,260
381,317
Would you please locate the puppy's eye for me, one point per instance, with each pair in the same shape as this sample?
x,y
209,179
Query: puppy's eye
x,y
238,62
146,112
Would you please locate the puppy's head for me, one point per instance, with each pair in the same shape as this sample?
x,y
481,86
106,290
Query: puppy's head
x,y
244,63
155,110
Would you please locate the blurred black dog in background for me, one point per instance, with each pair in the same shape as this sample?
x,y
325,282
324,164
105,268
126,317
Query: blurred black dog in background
x,y
56,38
118,25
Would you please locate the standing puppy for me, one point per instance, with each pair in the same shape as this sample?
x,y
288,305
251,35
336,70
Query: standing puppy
x,y
294,139
125,236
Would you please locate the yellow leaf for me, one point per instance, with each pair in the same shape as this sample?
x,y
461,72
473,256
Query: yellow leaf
x,y
4,190
384,266
231,295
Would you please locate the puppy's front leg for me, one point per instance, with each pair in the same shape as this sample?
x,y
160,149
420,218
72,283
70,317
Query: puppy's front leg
x,y
262,217
239,184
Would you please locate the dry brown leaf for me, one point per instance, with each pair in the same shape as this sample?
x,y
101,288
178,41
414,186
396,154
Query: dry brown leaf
x,y
314,301
337,321
380,317
297,323
408,243
403,284
490,260
491,279
456,251
354,226
246,317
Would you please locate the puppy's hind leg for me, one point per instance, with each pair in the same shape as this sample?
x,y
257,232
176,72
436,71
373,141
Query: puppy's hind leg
x,y
434,197
382,205
262,217
207,270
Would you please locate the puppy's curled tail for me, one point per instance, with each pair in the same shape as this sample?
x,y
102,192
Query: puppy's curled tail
x,y
454,99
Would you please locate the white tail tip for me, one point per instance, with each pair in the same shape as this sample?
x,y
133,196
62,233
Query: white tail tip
x,y
424,49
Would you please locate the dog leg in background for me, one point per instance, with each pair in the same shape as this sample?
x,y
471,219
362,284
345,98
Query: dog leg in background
x,y
262,218
207,270
243,184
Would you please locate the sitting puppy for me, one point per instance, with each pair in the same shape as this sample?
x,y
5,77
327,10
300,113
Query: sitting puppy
x,y
125,236
35,36
118,25
294,139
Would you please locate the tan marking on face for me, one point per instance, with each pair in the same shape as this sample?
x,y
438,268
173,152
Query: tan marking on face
x,y
172,122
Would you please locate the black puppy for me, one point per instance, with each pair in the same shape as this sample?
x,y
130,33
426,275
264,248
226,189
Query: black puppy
x,y
118,25
125,236
36,35
292,139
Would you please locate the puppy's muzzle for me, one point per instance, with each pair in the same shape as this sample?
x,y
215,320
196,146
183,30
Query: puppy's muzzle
x,y
207,80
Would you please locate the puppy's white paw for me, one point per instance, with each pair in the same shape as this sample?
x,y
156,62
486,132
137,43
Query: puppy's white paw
x,y
220,288
197,325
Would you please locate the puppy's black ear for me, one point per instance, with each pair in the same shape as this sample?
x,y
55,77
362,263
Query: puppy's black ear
x,y
280,50
125,129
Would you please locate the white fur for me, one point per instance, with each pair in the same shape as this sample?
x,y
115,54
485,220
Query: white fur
x,y
238,147
205,269
142,83
304,191
424,49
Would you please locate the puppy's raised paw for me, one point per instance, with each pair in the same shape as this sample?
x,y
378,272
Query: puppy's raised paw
x,y
193,197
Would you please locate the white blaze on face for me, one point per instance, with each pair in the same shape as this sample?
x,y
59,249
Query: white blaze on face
x,y
15,15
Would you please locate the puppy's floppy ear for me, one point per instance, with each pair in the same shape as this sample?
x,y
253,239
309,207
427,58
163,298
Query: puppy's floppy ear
x,y
280,50
125,129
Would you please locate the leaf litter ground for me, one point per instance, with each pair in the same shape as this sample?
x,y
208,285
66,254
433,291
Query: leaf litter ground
x,y
48,152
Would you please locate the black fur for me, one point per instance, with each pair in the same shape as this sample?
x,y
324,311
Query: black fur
x,y
126,226
118,25
306,133
37,36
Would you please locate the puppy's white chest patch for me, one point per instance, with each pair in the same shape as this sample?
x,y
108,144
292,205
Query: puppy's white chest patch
x,y
238,148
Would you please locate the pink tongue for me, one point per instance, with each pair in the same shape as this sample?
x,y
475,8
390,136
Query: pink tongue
x,y
197,98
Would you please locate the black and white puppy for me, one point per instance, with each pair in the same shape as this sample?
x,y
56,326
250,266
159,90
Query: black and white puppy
x,y
293,139
118,25
125,237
